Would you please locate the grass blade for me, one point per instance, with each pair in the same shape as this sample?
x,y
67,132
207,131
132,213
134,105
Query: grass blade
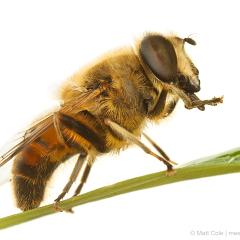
x,y
225,163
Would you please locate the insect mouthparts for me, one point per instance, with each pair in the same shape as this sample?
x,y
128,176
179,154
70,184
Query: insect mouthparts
x,y
188,85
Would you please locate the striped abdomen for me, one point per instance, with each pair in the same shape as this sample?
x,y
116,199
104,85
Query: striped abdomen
x,y
35,164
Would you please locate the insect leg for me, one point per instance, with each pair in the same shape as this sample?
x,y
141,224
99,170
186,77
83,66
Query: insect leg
x,y
156,146
159,107
200,103
85,174
130,137
73,176
192,101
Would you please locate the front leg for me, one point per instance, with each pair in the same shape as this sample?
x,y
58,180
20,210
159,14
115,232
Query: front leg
x,y
192,101
201,103
159,107
164,105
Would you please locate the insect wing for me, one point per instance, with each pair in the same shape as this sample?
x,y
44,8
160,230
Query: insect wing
x,y
74,106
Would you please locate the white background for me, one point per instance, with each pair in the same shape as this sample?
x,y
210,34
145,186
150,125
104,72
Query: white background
x,y
44,42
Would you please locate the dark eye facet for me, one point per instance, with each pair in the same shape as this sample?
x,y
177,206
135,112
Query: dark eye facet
x,y
159,55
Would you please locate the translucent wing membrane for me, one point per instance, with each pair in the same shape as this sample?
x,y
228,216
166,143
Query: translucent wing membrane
x,y
79,103
73,106
30,135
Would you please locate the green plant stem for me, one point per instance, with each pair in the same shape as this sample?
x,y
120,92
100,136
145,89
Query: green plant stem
x,y
225,163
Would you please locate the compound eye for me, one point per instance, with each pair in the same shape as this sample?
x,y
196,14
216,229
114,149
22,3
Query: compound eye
x,y
159,55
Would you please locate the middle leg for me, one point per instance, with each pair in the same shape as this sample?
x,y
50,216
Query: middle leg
x,y
132,138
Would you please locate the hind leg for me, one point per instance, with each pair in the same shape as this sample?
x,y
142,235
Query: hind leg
x,y
73,176
85,175
79,164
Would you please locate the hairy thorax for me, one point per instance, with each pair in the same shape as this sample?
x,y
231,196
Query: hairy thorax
x,y
128,97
